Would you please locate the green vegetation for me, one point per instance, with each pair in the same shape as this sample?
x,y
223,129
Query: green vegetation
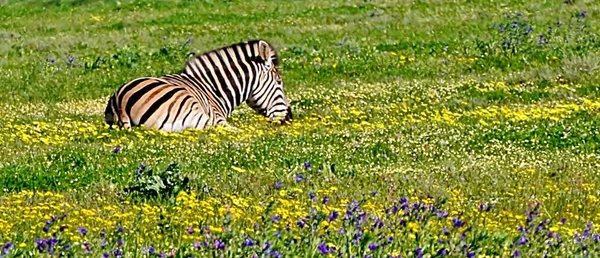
x,y
420,128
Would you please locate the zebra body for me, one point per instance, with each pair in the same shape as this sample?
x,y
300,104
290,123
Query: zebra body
x,y
211,86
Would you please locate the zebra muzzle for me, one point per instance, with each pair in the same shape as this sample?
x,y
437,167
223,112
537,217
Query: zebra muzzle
x,y
288,115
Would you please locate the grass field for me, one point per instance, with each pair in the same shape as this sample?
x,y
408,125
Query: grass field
x,y
421,129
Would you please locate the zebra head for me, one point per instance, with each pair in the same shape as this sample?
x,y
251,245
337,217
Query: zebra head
x,y
268,97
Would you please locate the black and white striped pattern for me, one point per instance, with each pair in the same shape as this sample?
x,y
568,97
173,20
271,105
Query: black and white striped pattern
x,y
211,86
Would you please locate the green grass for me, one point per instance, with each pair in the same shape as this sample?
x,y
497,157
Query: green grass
x,y
416,99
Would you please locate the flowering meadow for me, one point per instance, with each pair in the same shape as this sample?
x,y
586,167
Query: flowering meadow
x,y
421,129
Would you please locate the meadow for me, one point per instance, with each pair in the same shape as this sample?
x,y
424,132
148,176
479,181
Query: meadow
x,y
421,129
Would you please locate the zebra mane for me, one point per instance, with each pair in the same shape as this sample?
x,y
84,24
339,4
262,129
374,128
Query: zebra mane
x,y
255,56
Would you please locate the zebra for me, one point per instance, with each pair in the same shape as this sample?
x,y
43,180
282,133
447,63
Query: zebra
x,y
206,92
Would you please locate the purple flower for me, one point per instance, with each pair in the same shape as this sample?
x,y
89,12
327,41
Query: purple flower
x,y
120,229
102,234
299,178
442,214
116,149
6,247
311,195
307,165
373,246
45,229
457,222
323,248
152,250
471,254
583,14
278,185
248,242
445,231
563,221
190,230
275,254
197,245
334,215
300,223
442,252
516,253
82,231
522,240
419,252
390,239
325,200
276,218
105,255
120,242
219,244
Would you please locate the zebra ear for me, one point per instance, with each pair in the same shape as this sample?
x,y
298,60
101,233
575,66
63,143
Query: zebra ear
x,y
266,52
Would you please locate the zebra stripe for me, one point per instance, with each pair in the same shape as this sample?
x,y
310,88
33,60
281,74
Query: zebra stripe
x,y
206,92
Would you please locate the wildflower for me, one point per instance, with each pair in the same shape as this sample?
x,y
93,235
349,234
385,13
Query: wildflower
x,y
276,218
82,231
325,200
120,242
457,222
442,252
516,253
248,242
275,254
445,231
334,215
121,229
522,241
323,248
102,234
373,246
299,178
105,255
470,254
278,185
219,244
300,223
190,230
419,252
311,195
307,165
583,14
116,149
